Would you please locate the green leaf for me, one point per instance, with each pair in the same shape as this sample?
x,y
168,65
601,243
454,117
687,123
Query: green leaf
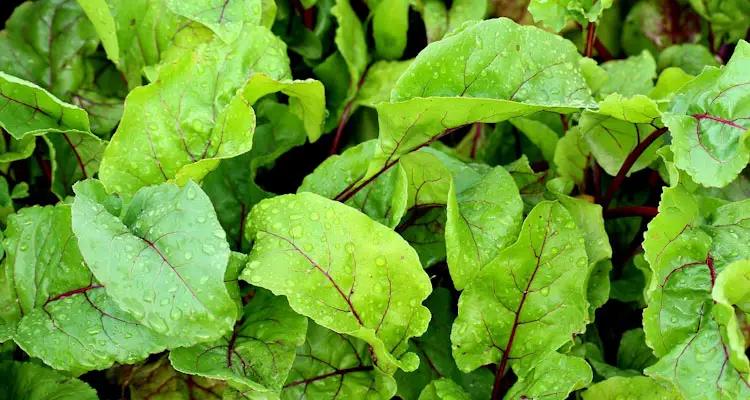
x,y
429,183
139,251
178,131
434,350
422,110
331,365
482,220
572,156
46,42
463,11
635,387
729,18
224,18
258,353
435,17
709,124
669,82
699,361
555,377
540,134
29,381
64,316
529,300
731,295
692,58
443,388
159,381
365,281
99,14
629,77
27,109
556,13
104,112
384,200
619,126
633,353
390,21
677,251
530,184
380,79
74,156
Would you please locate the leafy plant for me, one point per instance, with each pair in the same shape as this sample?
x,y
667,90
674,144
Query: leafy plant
x,y
325,199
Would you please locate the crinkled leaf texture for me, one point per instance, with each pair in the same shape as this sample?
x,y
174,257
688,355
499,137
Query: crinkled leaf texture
x,y
343,270
482,220
173,130
30,381
490,71
63,315
259,351
332,365
161,255
557,13
709,119
529,300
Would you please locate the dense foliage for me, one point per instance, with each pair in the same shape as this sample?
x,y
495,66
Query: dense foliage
x,y
414,199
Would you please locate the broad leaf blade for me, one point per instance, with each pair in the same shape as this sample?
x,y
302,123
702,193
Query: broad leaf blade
x,y
527,302
162,259
342,269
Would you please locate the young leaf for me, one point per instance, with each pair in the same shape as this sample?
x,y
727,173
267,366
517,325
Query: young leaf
x,y
380,79
159,381
142,252
463,11
731,295
224,18
258,353
180,132
64,316
709,123
636,387
531,185
556,14
384,200
29,381
436,361
481,221
529,300
331,365
554,378
365,282
443,388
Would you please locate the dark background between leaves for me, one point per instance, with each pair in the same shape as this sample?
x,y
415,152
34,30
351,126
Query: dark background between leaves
x,y
611,320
